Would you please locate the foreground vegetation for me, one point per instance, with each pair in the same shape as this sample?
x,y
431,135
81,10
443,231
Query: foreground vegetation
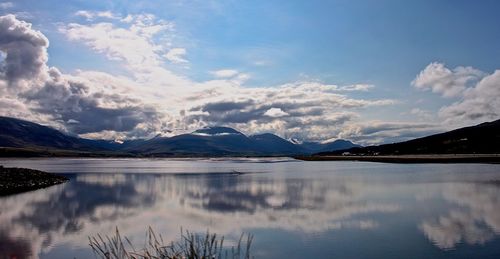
x,y
190,246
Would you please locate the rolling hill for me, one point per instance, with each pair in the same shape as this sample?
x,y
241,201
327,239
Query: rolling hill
x,y
24,134
480,139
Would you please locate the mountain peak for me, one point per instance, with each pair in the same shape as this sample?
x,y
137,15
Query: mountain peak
x,y
265,135
217,131
338,141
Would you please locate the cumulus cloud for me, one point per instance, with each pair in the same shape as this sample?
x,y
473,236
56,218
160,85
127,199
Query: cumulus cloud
x,y
25,50
76,104
479,103
449,83
477,93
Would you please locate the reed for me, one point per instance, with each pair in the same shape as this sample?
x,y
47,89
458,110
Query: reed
x,y
189,246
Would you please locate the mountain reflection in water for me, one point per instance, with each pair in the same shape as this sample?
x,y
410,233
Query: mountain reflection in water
x,y
447,212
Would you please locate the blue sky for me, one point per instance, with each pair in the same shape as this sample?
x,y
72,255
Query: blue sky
x,y
273,43
341,41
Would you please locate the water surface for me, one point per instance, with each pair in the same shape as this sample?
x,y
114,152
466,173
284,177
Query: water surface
x,y
294,209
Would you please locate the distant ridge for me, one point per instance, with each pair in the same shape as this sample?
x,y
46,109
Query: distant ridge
x,y
24,134
24,138
483,138
339,144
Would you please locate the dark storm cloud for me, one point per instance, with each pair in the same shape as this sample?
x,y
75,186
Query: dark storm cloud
x,y
339,119
224,106
222,112
81,110
291,118
77,105
249,110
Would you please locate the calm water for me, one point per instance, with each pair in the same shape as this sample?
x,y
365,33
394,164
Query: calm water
x,y
294,209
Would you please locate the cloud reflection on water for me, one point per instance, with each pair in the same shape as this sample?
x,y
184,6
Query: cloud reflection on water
x,y
226,204
463,208
476,220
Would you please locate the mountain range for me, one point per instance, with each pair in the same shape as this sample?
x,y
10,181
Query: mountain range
x,y
483,138
24,138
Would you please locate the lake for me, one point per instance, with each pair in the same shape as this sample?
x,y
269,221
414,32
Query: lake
x,y
294,209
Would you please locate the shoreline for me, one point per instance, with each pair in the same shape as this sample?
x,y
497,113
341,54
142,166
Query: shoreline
x,y
410,159
15,180
401,159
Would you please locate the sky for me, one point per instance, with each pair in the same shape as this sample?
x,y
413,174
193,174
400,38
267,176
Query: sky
x,y
368,71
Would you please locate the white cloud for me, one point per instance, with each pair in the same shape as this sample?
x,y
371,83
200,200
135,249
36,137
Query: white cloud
x,y
275,113
86,14
356,87
128,19
176,55
242,77
230,74
154,100
479,103
89,15
107,14
117,43
449,83
138,45
477,93
25,51
225,73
